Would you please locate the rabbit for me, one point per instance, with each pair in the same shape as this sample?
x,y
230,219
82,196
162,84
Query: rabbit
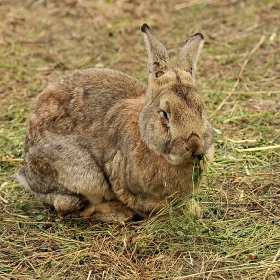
x,y
102,145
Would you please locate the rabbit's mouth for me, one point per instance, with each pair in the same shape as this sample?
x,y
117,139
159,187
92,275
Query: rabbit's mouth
x,y
185,151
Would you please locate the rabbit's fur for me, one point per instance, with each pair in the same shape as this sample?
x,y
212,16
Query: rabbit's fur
x,y
101,144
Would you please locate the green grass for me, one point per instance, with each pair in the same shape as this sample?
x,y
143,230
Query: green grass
x,y
238,235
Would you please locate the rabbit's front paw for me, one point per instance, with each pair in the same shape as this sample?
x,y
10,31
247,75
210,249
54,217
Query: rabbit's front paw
x,y
110,211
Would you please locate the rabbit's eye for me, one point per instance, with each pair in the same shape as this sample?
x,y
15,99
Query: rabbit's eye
x,y
164,114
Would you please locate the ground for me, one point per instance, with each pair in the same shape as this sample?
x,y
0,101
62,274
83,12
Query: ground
x,y
238,235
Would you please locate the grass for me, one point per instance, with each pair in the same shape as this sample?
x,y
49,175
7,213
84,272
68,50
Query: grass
x,y
238,236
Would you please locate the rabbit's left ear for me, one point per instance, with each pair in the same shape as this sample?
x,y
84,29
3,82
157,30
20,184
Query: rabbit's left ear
x,y
189,54
158,60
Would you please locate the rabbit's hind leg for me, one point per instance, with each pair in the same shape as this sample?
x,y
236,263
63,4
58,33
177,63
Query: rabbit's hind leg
x,y
63,200
64,204
63,173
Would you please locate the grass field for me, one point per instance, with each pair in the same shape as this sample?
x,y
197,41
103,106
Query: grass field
x,y
238,77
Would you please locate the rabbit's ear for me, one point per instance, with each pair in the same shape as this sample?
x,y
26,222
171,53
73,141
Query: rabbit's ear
x,y
188,56
158,60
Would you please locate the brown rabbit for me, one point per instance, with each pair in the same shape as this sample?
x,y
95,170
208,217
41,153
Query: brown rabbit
x,y
101,144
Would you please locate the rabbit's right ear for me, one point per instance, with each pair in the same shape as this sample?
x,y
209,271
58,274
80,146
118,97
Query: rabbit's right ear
x,y
158,60
189,54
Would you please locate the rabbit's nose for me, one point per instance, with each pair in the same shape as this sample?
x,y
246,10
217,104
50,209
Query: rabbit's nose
x,y
194,144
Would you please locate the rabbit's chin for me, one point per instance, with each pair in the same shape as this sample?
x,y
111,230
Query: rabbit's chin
x,y
176,160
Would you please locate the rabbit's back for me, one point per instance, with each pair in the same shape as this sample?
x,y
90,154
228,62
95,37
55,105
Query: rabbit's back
x,y
79,102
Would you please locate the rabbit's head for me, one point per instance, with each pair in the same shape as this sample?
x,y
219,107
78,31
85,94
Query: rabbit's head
x,y
173,122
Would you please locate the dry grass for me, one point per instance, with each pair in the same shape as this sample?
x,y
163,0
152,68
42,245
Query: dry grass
x,y
238,77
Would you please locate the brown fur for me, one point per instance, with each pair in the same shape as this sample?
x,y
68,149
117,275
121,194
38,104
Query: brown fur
x,y
99,143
